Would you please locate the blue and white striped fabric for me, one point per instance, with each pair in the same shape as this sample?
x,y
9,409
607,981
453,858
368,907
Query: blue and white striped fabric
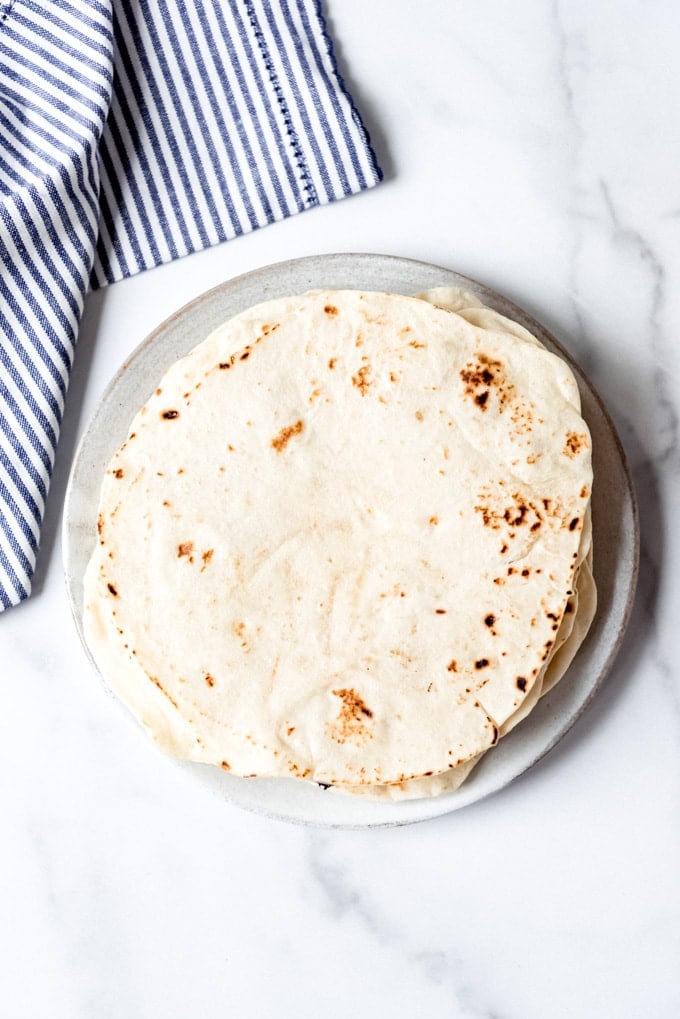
x,y
133,132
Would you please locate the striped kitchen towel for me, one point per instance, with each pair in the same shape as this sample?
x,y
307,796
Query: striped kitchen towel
x,y
133,132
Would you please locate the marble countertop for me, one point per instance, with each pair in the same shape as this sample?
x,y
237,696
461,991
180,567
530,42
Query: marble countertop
x,y
534,147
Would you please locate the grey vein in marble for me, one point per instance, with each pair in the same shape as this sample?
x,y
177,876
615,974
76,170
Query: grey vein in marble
x,y
343,897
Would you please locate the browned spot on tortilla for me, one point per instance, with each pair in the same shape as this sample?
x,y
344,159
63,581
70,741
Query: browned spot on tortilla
x,y
394,377
332,363
569,607
185,549
280,441
206,557
419,415
521,683
361,380
440,612
575,442
113,590
416,345
245,355
331,310
100,524
314,394
225,364
481,663
165,502
351,721
574,524
210,680
526,572
238,629
290,730
489,620
434,520
585,492
118,473
452,666
162,689
169,415
225,766
158,392
504,548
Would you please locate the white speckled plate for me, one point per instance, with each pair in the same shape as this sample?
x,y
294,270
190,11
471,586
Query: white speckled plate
x,y
615,531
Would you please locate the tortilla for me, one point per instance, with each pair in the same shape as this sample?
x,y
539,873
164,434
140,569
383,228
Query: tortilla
x,y
340,541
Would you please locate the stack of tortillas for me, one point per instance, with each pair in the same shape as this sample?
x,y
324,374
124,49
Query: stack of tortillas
x,y
347,540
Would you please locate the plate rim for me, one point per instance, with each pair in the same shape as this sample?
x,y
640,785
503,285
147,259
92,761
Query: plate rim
x,y
448,802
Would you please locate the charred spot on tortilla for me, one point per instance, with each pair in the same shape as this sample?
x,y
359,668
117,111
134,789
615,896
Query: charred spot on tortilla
x,y
168,415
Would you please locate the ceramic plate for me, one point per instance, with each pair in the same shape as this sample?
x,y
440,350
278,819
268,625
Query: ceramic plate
x,y
615,531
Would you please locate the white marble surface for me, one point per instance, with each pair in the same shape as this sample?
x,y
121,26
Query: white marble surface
x,y
535,147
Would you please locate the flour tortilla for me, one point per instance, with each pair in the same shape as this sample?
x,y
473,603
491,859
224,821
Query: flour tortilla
x,y
340,540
